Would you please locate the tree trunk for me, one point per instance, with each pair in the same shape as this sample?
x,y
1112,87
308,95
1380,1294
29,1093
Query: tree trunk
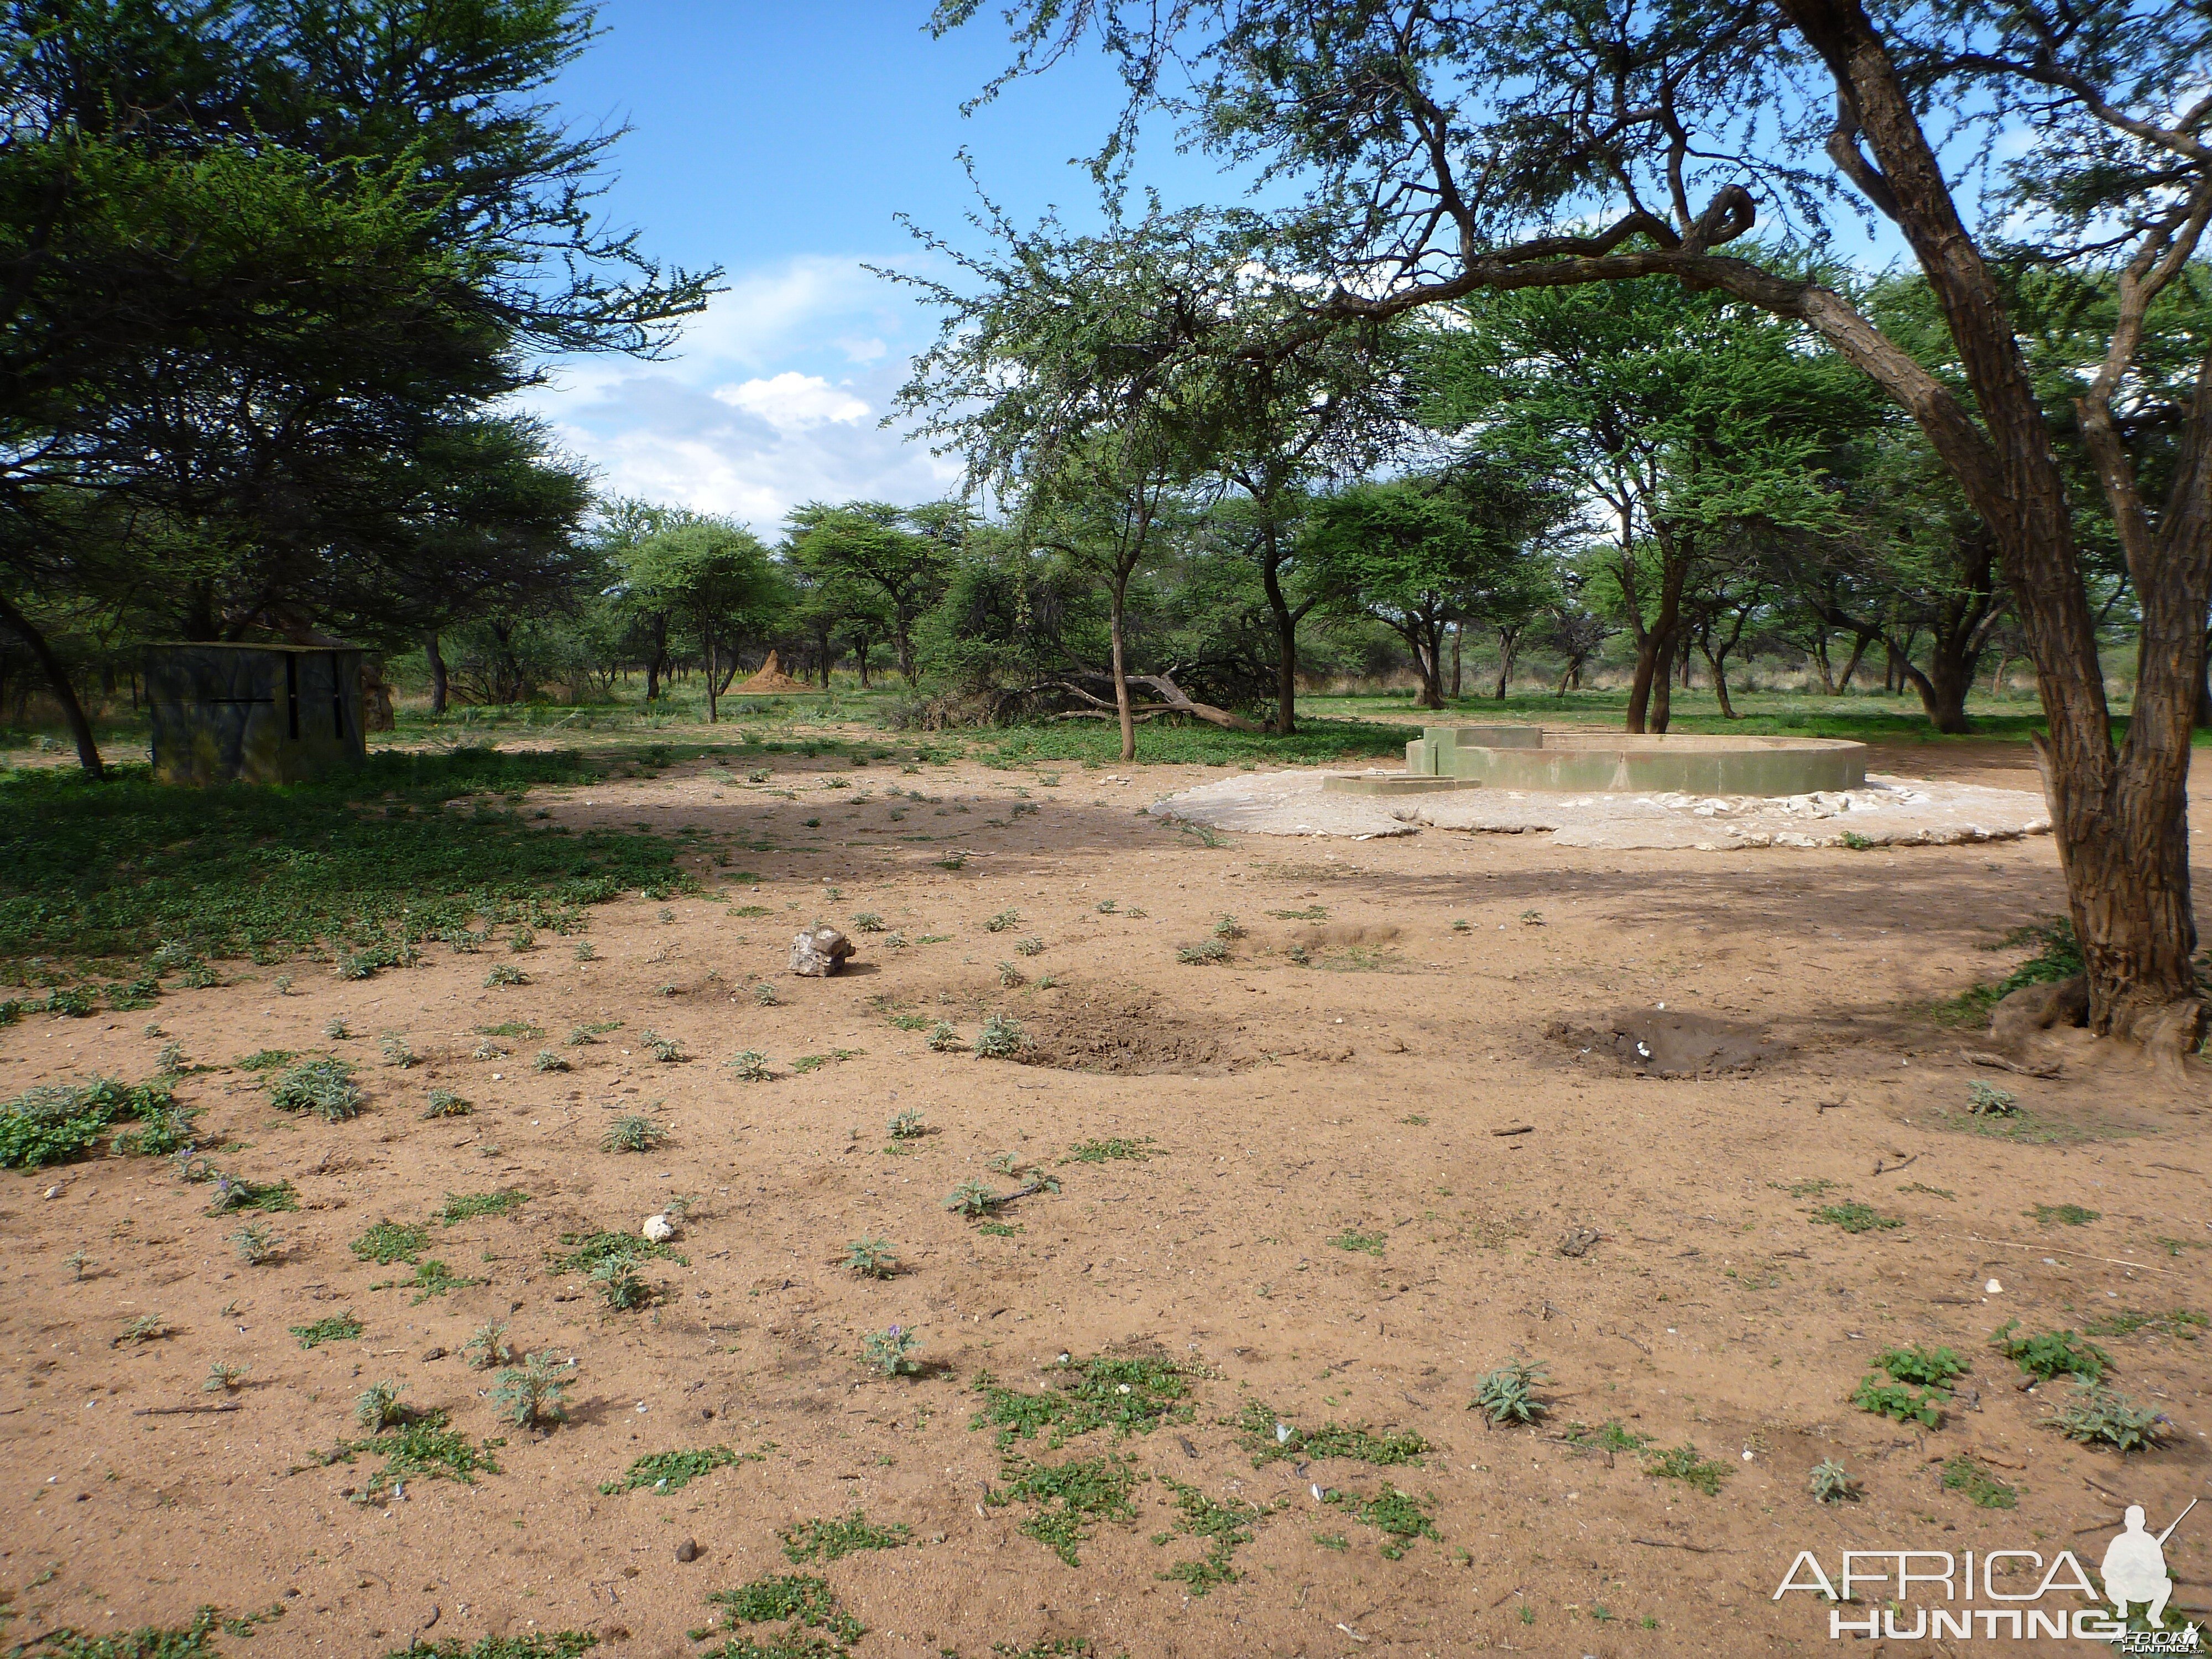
x,y
1428,657
1720,685
1817,655
714,684
1508,646
1121,707
2204,687
1858,651
1459,639
1662,681
440,684
1287,638
87,751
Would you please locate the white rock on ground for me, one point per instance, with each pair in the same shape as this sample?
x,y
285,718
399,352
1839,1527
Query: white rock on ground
x,y
1889,812
657,1229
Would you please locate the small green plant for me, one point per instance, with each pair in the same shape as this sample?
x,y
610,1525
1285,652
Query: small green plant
x,y
944,1039
1002,1038
547,1061
1201,954
972,1198
1367,1244
587,951
1398,1516
1010,977
2050,1354
631,1133
336,1327
1610,1437
1904,1405
487,1346
660,1047
378,1408
1854,1217
531,1395
1682,1463
1983,1489
1111,1149
1508,1394
1220,1526
1228,927
2064,1215
908,1125
620,1287
77,1261
871,1258
2100,1416
336,1029
1932,1367
444,1102
889,1353
802,1603
431,1278
393,1046
1831,1483
325,1087
1071,1498
464,1207
1031,946
868,921
1002,921
672,1471
172,1060
505,973
2183,1323
388,1241
751,1066
1270,1440
764,995
146,1327
1106,906
833,1541
256,1244
521,939
1983,1100
223,1378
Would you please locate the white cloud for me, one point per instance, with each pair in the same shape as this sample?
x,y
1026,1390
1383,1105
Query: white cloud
x,y
768,400
792,402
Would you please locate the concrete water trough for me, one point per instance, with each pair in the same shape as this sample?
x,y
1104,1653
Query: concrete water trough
x,y
1533,758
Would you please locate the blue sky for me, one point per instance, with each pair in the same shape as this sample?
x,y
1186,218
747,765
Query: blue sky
x,y
778,140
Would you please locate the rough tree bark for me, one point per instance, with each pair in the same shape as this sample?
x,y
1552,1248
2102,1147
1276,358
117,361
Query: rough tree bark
x,y
440,684
57,679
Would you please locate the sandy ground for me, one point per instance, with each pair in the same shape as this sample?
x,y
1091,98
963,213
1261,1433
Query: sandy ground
x,y
1348,1071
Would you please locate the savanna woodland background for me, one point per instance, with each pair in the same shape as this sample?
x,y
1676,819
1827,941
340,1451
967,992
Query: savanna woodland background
x,y
1685,365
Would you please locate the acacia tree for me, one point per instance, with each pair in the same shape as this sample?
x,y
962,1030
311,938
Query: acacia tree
x,y
1453,146
717,577
903,554
1066,383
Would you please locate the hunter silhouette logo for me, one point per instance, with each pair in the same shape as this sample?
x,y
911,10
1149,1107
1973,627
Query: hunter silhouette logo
x,y
2003,1595
2135,1567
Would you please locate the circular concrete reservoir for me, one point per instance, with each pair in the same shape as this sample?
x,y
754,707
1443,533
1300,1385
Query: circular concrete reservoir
x,y
1581,761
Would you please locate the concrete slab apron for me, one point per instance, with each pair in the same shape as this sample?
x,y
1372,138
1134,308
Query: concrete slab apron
x,y
1889,812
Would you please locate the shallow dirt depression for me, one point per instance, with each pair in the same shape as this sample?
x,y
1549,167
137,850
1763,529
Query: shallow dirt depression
x,y
1668,1042
1124,1035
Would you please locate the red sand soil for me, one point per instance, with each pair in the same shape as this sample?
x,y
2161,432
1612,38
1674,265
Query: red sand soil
x,y
1362,1090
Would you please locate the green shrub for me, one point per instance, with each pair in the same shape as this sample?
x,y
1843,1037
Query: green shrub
x,y
2100,1416
1508,1394
325,1087
2050,1354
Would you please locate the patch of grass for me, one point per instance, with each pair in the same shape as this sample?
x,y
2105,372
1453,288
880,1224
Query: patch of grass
x,y
272,1060
1682,1463
1984,1100
1982,1489
1221,1527
236,1193
1508,1394
57,1123
1398,1515
2050,1354
195,1640
1072,1498
751,1066
430,1278
671,1471
325,1087
1854,1217
632,1133
1202,954
1896,1401
504,973
1352,1239
337,1328
2182,1323
1130,1396
911,1022
833,1541
2100,1416
466,1206
1611,1437
2057,957
801,1603
113,869
388,1241
510,1028
536,1645
1114,1148
621,1288
1270,1440
588,1252
2063,1215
